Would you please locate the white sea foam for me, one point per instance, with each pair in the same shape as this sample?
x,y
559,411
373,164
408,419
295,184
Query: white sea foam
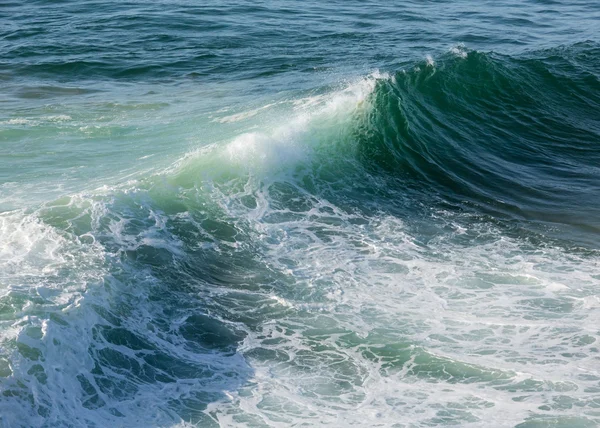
x,y
62,296
459,50
288,143
37,121
288,138
58,118
481,311
18,121
365,323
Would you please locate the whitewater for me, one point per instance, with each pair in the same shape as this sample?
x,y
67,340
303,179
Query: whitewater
x,y
360,224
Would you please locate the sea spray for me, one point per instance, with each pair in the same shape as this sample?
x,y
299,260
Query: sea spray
x,y
220,215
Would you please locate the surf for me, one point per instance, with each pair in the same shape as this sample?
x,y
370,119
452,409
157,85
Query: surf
x,y
354,246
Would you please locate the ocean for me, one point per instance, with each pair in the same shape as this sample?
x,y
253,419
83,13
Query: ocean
x,y
280,213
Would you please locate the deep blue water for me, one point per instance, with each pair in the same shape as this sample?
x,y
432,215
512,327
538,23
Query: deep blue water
x,y
300,213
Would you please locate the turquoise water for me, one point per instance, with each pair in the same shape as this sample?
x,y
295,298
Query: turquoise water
x,y
300,214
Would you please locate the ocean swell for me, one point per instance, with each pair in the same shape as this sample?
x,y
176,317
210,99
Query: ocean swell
x,y
357,248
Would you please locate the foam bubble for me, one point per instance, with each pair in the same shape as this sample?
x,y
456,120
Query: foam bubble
x,y
287,141
18,121
459,50
252,298
383,323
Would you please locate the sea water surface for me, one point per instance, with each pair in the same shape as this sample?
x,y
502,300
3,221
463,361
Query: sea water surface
x,y
283,213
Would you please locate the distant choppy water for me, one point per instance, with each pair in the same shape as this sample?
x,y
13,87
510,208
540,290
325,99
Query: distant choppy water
x,y
300,213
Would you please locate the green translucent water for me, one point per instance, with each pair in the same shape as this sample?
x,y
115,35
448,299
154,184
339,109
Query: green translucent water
x,y
281,214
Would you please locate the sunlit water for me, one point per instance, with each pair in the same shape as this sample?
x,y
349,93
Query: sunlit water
x,y
300,214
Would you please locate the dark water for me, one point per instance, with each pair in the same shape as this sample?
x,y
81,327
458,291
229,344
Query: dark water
x,y
299,214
